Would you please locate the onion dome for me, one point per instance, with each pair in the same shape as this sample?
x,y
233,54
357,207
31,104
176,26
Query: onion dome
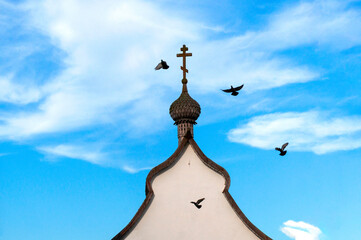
x,y
185,109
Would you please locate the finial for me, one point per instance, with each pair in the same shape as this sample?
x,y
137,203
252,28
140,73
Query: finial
x,y
185,70
185,110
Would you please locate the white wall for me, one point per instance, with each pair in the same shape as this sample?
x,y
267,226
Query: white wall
x,y
171,216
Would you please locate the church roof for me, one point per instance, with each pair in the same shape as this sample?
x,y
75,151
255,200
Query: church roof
x,y
188,139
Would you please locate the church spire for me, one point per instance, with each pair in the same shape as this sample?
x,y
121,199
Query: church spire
x,y
185,110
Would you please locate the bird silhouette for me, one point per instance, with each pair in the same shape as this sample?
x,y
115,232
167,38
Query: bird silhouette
x,y
197,204
282,149
232,90
162,64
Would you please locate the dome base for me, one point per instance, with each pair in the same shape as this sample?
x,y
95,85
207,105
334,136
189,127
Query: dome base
x,y
183,128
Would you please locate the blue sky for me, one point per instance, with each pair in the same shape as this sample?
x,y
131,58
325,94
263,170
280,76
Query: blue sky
x,y
84,116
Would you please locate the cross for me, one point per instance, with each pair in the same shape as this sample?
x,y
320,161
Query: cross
x,y
184,55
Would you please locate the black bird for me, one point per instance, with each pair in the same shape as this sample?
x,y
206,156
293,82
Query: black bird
x,y
233,90
198,202
282,149
162,64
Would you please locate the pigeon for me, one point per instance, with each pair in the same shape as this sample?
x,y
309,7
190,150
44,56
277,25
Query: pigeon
x,y
282,149
233,90
197,204
162,64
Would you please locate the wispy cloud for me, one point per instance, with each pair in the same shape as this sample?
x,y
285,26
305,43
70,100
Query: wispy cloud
x,y
133,170
89,153
327,25
257,70
105,79
323,24
308,131
4,154
301,230
11,92
76,152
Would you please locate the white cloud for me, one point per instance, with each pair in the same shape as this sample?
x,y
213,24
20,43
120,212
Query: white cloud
x,y
251,58
93,155
218,65
133,170
330,24
308,131
11,92
112,48
301,230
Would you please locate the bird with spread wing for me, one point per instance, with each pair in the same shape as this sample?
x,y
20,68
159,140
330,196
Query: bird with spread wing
x,y
197,204
282,149
162,64
232,90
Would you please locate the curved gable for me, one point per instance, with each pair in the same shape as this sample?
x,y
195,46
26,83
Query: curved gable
x,y
188,152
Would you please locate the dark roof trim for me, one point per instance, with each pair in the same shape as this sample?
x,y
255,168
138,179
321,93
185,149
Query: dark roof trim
x,y
170,162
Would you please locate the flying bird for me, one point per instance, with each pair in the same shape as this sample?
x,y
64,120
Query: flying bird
x,y
162,64
282,149
197,204
232,90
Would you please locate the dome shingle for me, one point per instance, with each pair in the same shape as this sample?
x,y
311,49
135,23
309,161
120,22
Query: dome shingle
x,y
185,109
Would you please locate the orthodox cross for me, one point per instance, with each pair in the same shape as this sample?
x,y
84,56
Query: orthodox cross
x,y
184,55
